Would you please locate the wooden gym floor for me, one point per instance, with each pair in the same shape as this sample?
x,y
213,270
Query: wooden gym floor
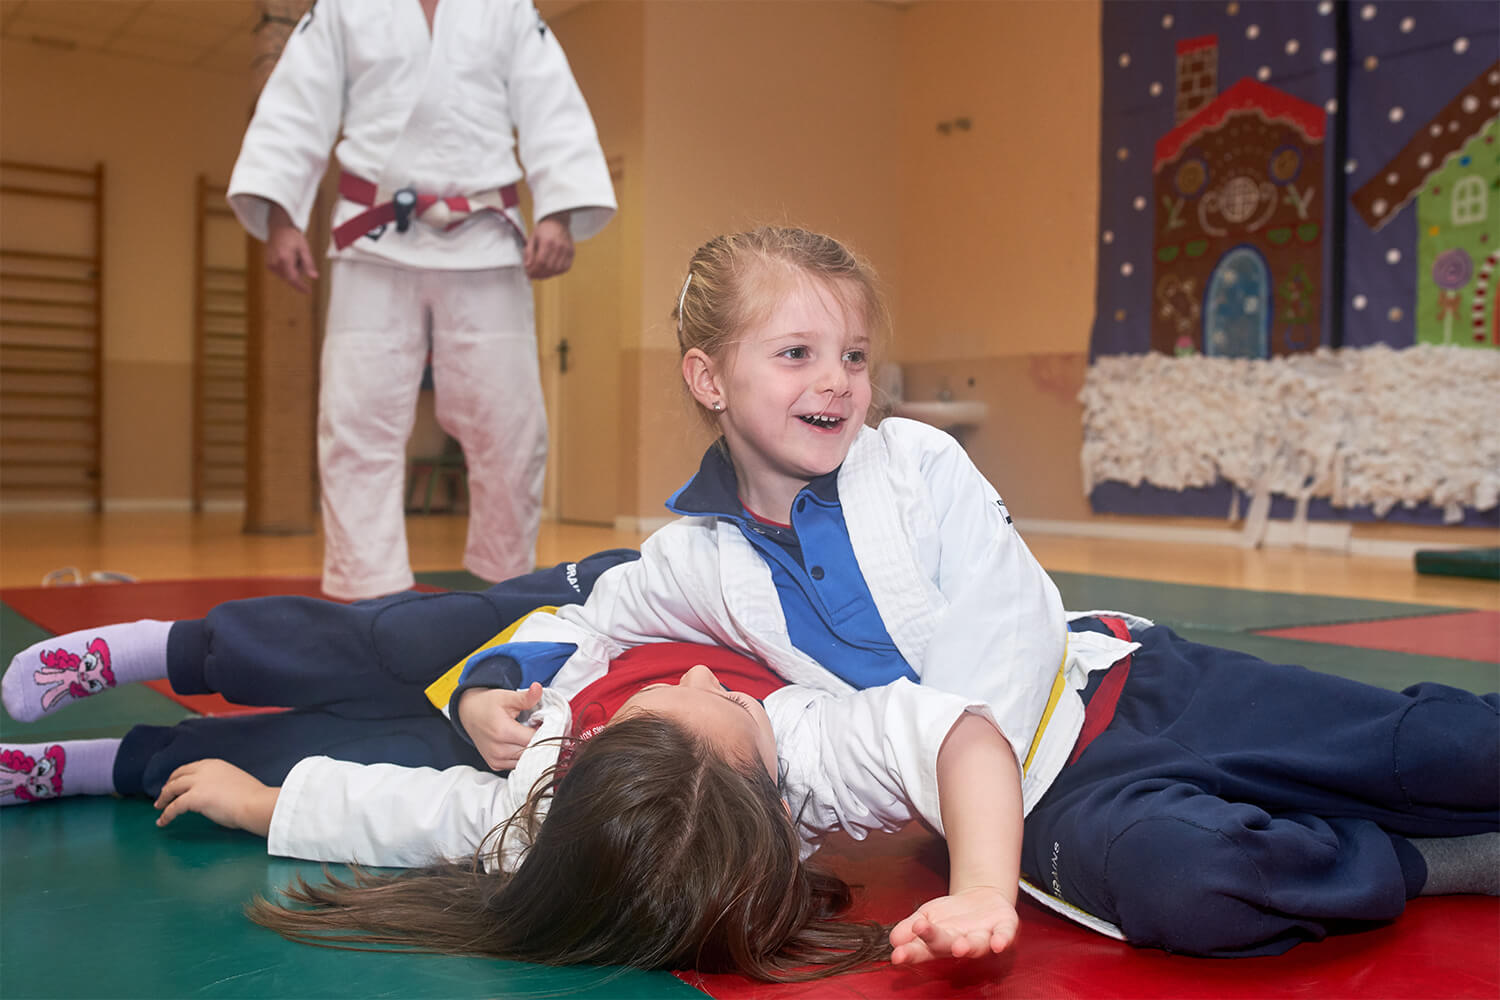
x,y
175,546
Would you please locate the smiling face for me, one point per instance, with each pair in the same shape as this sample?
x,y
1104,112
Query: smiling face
x,y
792,392
732,721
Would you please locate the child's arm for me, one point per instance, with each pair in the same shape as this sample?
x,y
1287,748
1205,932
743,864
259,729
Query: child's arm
x,y
222,792
876,759
979,792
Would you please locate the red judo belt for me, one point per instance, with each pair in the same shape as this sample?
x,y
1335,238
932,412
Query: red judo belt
x,y
408,205
1100,711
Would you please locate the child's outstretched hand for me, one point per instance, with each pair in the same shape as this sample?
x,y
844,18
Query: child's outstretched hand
x,y
489,717
973,923
222,792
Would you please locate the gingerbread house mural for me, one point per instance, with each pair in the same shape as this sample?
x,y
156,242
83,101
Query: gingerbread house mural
x,y
1238,219
1451,170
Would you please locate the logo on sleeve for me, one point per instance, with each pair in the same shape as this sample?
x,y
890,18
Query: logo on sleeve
x,y
1003,512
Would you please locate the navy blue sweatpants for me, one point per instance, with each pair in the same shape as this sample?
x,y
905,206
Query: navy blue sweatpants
x,y
1237,807
354,676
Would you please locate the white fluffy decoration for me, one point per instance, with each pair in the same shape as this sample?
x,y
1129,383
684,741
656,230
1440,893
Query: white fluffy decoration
x,y
1356,426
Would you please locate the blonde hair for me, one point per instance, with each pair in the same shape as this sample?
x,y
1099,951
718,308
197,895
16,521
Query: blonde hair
x,y
735,280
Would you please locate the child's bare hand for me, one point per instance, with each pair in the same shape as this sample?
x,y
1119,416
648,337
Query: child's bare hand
x,y
970,924
489,717
222,792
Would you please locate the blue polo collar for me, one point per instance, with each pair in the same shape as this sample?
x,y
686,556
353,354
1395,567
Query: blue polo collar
x,y
714,490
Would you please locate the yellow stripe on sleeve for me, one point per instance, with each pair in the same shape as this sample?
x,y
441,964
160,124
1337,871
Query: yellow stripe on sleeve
x,y
1059,685
440,691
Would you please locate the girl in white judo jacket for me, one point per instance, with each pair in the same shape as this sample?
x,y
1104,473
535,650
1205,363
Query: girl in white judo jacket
x,y
443,113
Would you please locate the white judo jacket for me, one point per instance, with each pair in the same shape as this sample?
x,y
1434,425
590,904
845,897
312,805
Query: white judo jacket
x,y
446,113
962,597
858,762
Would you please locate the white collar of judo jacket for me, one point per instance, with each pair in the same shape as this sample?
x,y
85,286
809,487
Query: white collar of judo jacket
x,y
553,718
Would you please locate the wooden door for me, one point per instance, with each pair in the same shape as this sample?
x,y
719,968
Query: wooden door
x,y
580,321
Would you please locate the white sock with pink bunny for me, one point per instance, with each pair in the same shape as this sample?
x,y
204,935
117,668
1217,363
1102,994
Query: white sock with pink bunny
x,y
35,772
55,672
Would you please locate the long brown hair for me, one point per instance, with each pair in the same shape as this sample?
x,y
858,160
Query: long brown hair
x,y
654,852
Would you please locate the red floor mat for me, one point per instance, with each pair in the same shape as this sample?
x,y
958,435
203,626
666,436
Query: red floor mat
x,y
1448,948
1463,635
64,609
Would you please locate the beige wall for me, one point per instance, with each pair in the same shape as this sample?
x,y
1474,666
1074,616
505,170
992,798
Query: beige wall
x,y
720,115
755,113
998,277
156,129
824,114
1000,223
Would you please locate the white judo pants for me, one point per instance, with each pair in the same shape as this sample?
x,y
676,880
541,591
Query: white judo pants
x,y
481,329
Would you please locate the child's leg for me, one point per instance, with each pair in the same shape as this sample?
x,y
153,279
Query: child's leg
x,y
360,658
267,746
1424,762
1199,819
58,671
1181,869
34,772
295,651
365,659
1457,865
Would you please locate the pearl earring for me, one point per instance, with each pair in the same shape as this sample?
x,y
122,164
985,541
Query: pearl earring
x,y
718,406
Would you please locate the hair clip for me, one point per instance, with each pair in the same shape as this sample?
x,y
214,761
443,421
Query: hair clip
x,y
683,298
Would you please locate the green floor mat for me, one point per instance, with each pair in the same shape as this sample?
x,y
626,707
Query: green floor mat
x,y
126,706
1481,564
17,631
453,579
1379,667
101,903
1183,605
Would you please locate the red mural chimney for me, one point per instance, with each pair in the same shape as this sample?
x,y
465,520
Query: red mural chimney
x,y
1197,74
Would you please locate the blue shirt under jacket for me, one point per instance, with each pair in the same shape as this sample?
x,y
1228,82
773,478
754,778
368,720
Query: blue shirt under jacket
x,y
830,614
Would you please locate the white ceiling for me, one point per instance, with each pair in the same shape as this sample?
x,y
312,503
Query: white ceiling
x,y
214,35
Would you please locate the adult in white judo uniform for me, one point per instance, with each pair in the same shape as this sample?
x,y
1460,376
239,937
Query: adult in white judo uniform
x,y
432,102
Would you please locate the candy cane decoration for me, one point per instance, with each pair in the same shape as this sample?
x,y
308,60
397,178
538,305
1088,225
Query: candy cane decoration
x,y
1481,299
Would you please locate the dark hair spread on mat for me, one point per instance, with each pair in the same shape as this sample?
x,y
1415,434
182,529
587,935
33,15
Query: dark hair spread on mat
x,y
654,852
